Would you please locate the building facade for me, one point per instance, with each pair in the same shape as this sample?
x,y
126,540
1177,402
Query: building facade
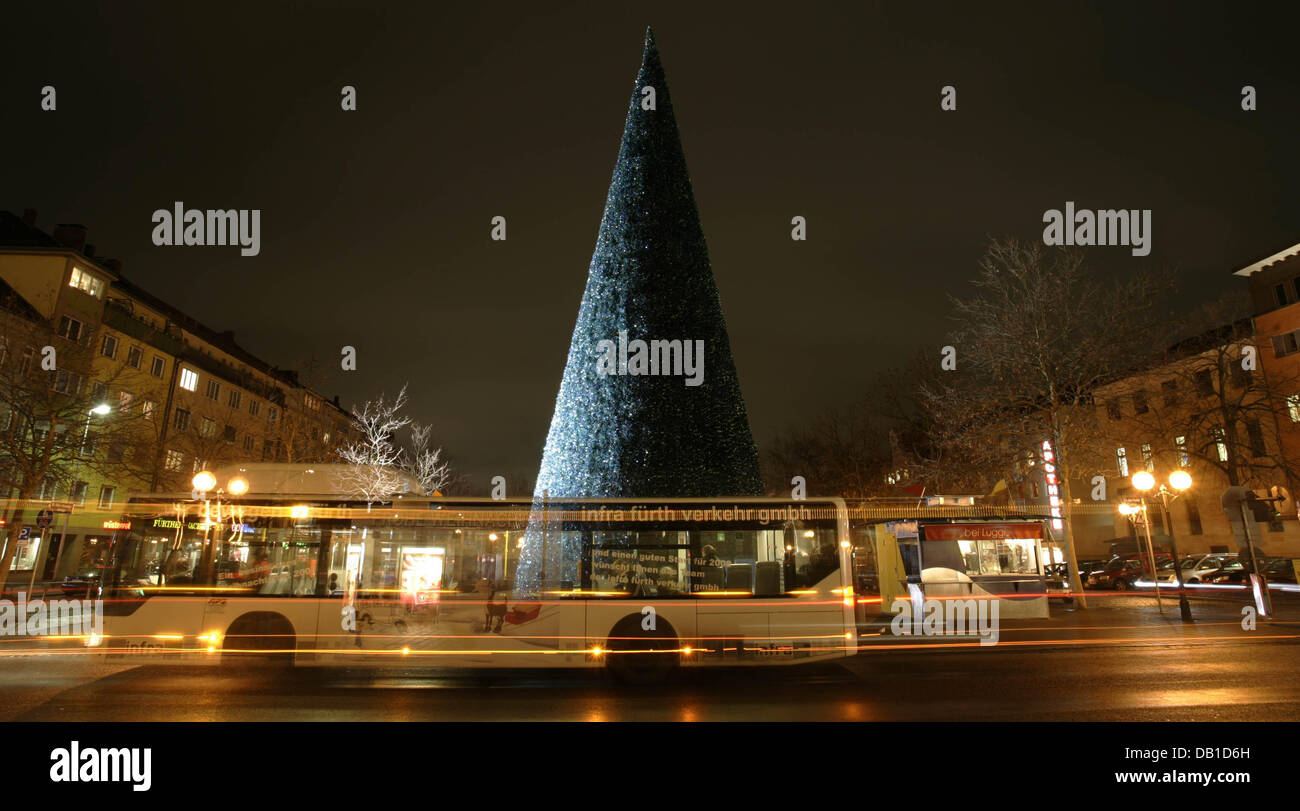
x,y
1206,415
1204,412
176,396
1274,284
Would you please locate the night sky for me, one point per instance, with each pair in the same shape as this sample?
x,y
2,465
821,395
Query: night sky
x,y
376,223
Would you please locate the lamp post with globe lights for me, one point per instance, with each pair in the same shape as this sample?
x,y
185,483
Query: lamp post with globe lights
x,y
1180,481
98,411
205,482
1133,512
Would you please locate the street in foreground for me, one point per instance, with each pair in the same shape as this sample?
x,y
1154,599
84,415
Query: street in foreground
x,y
1120,661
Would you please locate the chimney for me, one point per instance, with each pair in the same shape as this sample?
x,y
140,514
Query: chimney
x,y
71,235
29,217
89,251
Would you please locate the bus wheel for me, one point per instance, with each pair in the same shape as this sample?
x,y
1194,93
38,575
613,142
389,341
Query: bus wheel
x,y
634,652
259,631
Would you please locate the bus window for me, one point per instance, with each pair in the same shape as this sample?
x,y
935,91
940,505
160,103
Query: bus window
x,y
910,552
659,563
643,564
866,569
811,555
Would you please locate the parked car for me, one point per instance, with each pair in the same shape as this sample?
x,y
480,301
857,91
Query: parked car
x,y
1281,570
84,585
1087,567
1275,570
1234,572
1196,568
1122,571
1056,578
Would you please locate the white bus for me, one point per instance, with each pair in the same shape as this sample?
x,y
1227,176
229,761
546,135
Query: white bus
x,y
290,571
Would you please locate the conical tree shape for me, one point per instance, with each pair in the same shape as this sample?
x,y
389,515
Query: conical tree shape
x,y
634,435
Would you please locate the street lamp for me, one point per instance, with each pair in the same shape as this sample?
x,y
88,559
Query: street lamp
x,y
1179,482
204,482
97,411
1132,512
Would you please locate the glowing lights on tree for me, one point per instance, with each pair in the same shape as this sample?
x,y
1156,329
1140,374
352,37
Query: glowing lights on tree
x,y
649,277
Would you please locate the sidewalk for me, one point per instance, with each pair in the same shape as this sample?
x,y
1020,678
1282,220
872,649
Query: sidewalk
x,y
1115,618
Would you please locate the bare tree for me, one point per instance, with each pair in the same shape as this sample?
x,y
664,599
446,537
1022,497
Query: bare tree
x,y
48,435
1206,399
378,468
1034,342
843,452
426,464
211,439
871,448
373,459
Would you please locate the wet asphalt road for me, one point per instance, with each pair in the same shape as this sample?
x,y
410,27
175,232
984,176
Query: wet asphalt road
x,y
1129,673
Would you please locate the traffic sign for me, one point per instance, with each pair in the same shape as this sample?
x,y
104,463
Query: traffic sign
x,y
44,518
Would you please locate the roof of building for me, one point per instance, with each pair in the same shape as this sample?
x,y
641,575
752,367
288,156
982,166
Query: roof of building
x,y
1221,335
14,233
1255,267
225,341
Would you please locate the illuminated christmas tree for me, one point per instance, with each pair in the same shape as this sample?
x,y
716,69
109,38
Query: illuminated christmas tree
x,y
623,427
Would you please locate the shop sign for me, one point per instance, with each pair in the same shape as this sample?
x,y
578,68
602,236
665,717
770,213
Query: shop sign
x,y
168,523
1053,487
982,532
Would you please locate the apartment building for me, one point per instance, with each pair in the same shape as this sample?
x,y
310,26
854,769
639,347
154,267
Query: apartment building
x,y
1206,412
179,396
1274,284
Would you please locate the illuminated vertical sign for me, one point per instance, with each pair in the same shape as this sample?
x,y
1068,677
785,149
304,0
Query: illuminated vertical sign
x,y
1053,486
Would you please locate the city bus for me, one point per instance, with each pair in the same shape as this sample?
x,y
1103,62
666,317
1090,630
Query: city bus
x,y
293,572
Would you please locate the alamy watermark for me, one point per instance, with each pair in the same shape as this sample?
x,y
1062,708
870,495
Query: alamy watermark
x,y
638,357
51,617
1104,227
947,617
182,226
73,764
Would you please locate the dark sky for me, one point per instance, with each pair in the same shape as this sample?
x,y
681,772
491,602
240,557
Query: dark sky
x,y
375,224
